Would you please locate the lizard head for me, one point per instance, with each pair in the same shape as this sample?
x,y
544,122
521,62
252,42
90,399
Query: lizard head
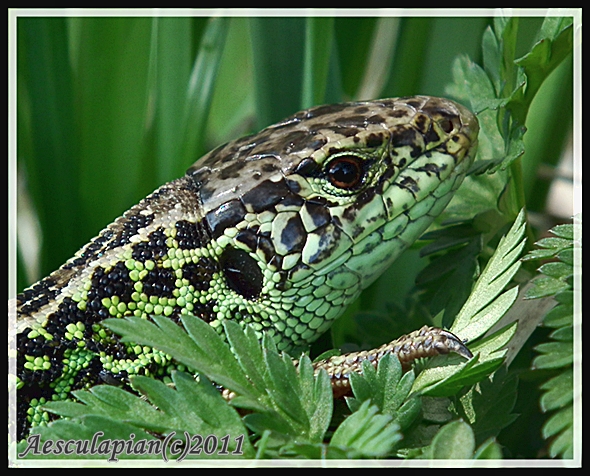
x,y
310,211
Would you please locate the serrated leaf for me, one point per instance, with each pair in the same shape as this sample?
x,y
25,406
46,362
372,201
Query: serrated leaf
x,y
556,270
559,391
317,399
554,243
553,355
471,84
387,388
559,316
367,432
558,422
498,272
566,231
563,445
246,348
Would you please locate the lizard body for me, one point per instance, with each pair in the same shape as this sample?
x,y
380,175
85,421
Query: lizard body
x,y
281,230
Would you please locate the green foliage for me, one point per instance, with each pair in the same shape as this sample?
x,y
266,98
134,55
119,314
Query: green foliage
x,y
110,108
557,355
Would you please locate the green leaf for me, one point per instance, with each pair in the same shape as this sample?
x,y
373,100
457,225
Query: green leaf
x,y
559,391
386,388
482,310
367,432
455,440
488,405
84,430
490,449
319,33
199,90
194,407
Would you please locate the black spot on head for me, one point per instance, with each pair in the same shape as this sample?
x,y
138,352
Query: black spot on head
x,y
346,130
293,235
431,168
241,272
351,121
319,213
265,245
295,141
316,143
413,103
374,140
431,136
307,167
248,237
375,119
268,167
397,113
265,195
422,123
233,170
226,215
410,184
406,136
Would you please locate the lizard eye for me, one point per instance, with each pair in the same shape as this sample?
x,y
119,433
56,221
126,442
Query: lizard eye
x,y
345,171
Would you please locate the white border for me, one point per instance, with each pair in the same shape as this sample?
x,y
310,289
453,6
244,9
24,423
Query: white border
x,y
14,13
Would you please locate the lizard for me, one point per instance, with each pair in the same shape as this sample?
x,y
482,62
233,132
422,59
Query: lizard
x,y
280,230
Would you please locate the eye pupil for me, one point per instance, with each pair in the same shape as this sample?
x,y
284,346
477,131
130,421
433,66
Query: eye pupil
x,y
345,171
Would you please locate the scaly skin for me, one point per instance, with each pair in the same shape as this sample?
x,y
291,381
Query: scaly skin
x,y
281,230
